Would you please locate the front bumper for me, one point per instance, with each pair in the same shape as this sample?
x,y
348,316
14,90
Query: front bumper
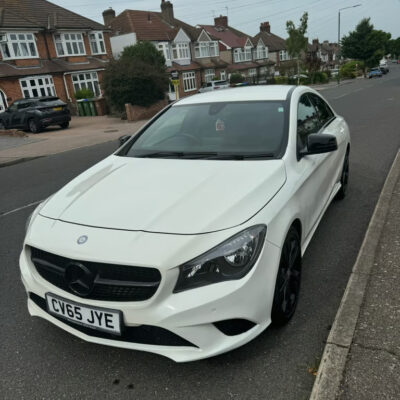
x,y
189,315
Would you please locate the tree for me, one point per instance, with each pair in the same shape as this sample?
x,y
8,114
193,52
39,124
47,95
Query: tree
x,y
365,44
297,42
393,47
313,65
139,77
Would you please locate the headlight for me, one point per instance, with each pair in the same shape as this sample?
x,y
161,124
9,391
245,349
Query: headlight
x,y
230,260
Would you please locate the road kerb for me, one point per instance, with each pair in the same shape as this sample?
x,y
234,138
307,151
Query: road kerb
x,y
334,358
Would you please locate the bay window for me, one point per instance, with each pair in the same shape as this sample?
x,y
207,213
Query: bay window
x,y
163,47
261,52
180,51
18,45
69,44
97,45
37,86
240,54
86,80
206,49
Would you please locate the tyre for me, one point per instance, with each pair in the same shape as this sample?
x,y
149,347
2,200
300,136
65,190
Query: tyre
x,y
64,125
2,126
287,287
34,127
344,178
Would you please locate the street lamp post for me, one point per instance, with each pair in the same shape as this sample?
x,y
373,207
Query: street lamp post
x,y
339,47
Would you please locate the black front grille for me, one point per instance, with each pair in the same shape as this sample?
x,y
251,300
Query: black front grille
x,y
111,282
143,334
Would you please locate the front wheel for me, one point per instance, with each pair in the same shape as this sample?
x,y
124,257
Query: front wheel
x,y
287,287
64,125
34,126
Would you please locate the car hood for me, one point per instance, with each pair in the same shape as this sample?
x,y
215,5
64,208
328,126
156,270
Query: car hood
x,y
167,195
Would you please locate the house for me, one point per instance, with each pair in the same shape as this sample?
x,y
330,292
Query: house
x,y
48,50
243,54
327,52
192,56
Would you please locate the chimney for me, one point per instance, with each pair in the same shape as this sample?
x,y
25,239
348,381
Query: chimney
x,y
265,27
167,12
108,16
221,21
315,42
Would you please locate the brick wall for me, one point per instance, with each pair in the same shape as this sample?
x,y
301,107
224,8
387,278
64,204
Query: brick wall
x,y
11,88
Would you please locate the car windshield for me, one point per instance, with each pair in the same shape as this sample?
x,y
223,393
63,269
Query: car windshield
x,y
223,130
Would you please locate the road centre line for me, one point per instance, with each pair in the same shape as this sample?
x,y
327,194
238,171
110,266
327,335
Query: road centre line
x,y
20,208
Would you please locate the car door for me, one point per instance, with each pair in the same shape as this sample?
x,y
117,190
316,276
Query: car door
x,y
335,126
313,187
8,115
17,116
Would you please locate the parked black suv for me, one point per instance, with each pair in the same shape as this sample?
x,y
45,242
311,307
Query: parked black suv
x,y
35,114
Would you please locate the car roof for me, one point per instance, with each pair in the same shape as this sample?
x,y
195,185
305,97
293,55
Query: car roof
x,y
252,93
37,98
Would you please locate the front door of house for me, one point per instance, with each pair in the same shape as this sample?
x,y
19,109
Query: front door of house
x,y
3,101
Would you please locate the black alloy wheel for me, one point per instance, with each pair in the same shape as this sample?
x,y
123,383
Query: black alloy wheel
x,y
344,179
33,126
287,287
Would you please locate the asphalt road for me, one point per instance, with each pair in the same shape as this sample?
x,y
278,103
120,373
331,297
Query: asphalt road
x,y
40,361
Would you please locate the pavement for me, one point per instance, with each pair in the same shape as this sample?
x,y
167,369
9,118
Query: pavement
x,y
83,131
361,360
40,361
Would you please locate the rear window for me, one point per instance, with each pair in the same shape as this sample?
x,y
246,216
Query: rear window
x,y
50,102
238,128
220,83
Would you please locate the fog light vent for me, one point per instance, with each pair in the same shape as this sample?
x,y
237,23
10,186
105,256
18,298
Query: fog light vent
x,y
232,327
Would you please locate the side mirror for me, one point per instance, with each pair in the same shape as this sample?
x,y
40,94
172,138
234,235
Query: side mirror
x,y
123,139
318,143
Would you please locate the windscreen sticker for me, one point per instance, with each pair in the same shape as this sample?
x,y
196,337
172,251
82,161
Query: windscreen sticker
x,y
220,125
280,109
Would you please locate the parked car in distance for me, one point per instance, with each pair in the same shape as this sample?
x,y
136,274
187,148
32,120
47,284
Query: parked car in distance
x,y
213,85
188,240
35,114
375,73
383,66
334,72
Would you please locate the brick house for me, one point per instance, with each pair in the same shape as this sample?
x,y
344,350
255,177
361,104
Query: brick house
x,y
244,54
327,52
177,41
48,50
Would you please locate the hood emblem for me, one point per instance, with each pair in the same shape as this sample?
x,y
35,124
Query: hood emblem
x,y
82,239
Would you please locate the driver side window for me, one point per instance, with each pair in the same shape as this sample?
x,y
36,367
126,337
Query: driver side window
x,y
307,121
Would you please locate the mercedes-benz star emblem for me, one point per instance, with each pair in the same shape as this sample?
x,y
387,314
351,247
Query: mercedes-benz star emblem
x,y
82,239
79,278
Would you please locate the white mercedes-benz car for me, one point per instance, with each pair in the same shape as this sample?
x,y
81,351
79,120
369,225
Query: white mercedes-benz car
x,y
187,241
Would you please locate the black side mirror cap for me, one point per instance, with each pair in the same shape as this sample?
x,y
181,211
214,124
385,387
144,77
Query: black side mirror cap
x,y
123,139
319,143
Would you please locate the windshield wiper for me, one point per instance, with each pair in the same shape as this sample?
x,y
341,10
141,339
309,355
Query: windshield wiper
x,y
178,154
243,156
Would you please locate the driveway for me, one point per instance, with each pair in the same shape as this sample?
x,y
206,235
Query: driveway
x,y
83,131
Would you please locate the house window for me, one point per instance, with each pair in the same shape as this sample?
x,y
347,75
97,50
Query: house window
x,y
97,45
222,75
209,74
189,81
261,52
263,71
18,45
252,72
86,80
206,49
240,55
69,44
36,86
180,51
164,49
283,55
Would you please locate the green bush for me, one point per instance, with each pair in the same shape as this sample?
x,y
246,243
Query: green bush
x,y
139,77
83,94
321,77
351,69
236,78
281,80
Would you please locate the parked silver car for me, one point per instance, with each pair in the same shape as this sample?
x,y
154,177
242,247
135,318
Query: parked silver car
x,y
213,85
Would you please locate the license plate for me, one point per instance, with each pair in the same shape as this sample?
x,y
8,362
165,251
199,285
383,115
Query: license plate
x,y
57,108
93,317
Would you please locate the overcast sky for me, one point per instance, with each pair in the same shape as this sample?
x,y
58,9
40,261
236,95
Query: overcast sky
x,y
246,15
